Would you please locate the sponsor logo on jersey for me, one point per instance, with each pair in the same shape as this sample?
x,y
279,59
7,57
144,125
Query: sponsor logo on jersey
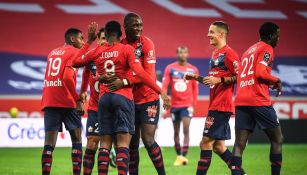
x,y
55,83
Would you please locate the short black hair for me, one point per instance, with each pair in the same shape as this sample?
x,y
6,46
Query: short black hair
x,y
267,29
101,30
129,16
222,25
112,27
69,32
181,47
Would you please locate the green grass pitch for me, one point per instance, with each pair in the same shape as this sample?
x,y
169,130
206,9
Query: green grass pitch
x,y
26,161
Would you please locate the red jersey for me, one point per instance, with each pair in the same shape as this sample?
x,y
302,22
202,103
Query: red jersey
x,y
222,64
118,59
88,78
183,93
56,92
252,91
145,53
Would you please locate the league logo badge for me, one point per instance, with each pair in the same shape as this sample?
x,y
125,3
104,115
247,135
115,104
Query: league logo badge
x,y
266,57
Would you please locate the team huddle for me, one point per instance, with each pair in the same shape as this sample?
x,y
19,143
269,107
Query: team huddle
x,y
124,101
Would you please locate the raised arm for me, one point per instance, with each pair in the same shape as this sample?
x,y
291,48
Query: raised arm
x,y
83,57
166,79
195,90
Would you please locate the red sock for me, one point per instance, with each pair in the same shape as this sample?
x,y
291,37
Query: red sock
x,y
185,149
76,158
47,159
88,161
122,160
204,162
155,154
134,160
103,161
178,149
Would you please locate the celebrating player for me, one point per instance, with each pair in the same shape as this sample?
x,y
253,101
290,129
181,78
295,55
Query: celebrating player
x,y
146,100
253,104
116,109
92,129
59,101
183,98
222,76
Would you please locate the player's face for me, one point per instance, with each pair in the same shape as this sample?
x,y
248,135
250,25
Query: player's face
x,y
214,35
77,41
275,38
182,54
101,39
134,28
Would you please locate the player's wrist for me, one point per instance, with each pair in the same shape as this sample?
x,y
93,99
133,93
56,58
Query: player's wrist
x,y
222,80
200,78
278,80
125,82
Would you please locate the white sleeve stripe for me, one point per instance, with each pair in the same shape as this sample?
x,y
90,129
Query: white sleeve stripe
x,y
264,63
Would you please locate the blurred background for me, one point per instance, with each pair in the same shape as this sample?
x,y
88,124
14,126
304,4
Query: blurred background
x,y
31,29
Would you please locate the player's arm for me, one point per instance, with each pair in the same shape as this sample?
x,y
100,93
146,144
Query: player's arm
x,y
83,58
166,79
69,81
261,72
144,76
85,82
195,77
149,63
195,90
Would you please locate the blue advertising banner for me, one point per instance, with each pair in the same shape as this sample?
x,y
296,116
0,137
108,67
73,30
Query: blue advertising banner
x,y
24,74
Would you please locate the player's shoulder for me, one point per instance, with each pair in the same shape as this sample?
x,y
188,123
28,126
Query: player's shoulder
x,y
63,50
146,40
126,46
266,47
174,64
231,51
192,66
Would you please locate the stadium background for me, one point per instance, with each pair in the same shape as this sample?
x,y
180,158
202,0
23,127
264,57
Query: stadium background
x,y
30,29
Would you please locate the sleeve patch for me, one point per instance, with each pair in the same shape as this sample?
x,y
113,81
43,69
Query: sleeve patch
x,y
266,57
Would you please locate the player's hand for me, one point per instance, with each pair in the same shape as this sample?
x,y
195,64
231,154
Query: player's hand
x,y
193,77
83,96
92,27
107,78
80,107
115,85
190,76
166,101
211,81
278,87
